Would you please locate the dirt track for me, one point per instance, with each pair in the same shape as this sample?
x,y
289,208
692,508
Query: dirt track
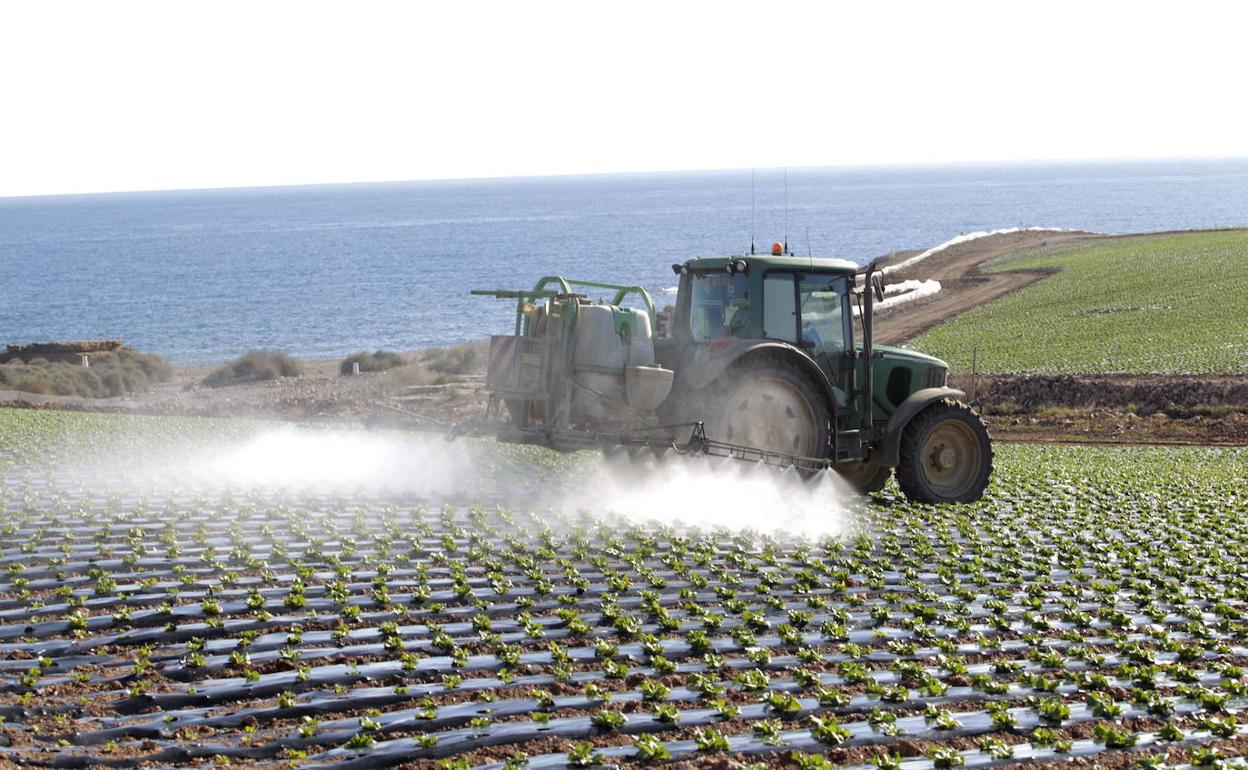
x,y
961,288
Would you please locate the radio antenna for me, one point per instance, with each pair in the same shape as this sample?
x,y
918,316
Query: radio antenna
x,y
786,211
752,223
810,254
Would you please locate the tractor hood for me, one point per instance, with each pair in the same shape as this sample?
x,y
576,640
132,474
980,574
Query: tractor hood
x,y
906,354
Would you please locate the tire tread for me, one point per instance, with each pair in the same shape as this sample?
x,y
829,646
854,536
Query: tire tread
x,y
909,471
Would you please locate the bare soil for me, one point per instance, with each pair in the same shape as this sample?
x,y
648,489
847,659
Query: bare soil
x,y
1112,408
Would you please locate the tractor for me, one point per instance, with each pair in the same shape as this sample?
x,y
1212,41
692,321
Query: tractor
x,y
757,360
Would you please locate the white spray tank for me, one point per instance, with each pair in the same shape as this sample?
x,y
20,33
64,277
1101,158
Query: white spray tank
x,y
613,366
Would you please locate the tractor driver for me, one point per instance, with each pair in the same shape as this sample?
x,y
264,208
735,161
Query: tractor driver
x,y
823,316
737,315
811,334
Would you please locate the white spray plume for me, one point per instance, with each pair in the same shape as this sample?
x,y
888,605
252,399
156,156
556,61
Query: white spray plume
x,y
705,493
296,459
697,492
344,460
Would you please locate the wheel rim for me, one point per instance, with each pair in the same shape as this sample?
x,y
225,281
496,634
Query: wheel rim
x,y
951,458
769,414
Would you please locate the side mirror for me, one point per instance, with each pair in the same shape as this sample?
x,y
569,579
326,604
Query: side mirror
x,y
877,284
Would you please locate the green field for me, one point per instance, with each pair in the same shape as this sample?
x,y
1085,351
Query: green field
x,y
1163,303
1091,606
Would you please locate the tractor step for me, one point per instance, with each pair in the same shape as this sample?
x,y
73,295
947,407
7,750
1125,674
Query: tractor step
x,y
848,445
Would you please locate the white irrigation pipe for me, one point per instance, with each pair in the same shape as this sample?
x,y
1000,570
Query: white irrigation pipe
x,y
963,239
903,292
910,290
903,286
918,290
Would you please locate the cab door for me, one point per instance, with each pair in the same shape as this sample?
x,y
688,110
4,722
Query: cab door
x,y
825,322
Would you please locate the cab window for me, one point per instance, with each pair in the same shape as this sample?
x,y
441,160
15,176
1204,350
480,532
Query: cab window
x,y
720,305
823,312
779,307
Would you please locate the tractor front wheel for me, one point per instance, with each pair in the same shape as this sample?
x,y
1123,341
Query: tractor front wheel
x,y
946,455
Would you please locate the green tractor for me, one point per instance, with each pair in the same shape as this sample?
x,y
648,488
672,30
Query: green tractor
x,y
758,361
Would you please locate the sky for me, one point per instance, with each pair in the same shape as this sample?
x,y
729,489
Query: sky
x,y
173,95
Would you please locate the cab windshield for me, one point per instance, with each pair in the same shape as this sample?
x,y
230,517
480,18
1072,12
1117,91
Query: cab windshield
x,y
720,305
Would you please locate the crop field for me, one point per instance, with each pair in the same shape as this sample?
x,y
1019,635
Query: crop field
x,y
1144,304
1092,606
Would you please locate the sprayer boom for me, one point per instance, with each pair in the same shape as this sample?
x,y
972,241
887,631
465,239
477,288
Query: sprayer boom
x,y
660,440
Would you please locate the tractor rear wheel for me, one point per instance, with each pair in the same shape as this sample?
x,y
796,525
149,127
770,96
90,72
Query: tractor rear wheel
x,y
946,455
771,405
865,477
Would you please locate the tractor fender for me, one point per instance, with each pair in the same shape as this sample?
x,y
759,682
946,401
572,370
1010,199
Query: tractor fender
x,y
706,366
889,450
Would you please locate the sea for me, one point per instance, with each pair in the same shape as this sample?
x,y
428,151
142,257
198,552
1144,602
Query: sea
x,y
322,271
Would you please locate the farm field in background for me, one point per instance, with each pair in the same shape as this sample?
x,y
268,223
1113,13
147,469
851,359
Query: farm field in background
x,y
1140,304
1091,604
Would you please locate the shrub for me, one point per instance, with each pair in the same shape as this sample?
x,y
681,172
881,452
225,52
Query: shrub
x,y
378,361
437,366
111,373
253,367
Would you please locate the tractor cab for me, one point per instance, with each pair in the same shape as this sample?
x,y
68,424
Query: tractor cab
x,y
792,303
725,305
808,303
803,302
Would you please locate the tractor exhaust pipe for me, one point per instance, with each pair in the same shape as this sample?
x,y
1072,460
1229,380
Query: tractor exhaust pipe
x,y
869,288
